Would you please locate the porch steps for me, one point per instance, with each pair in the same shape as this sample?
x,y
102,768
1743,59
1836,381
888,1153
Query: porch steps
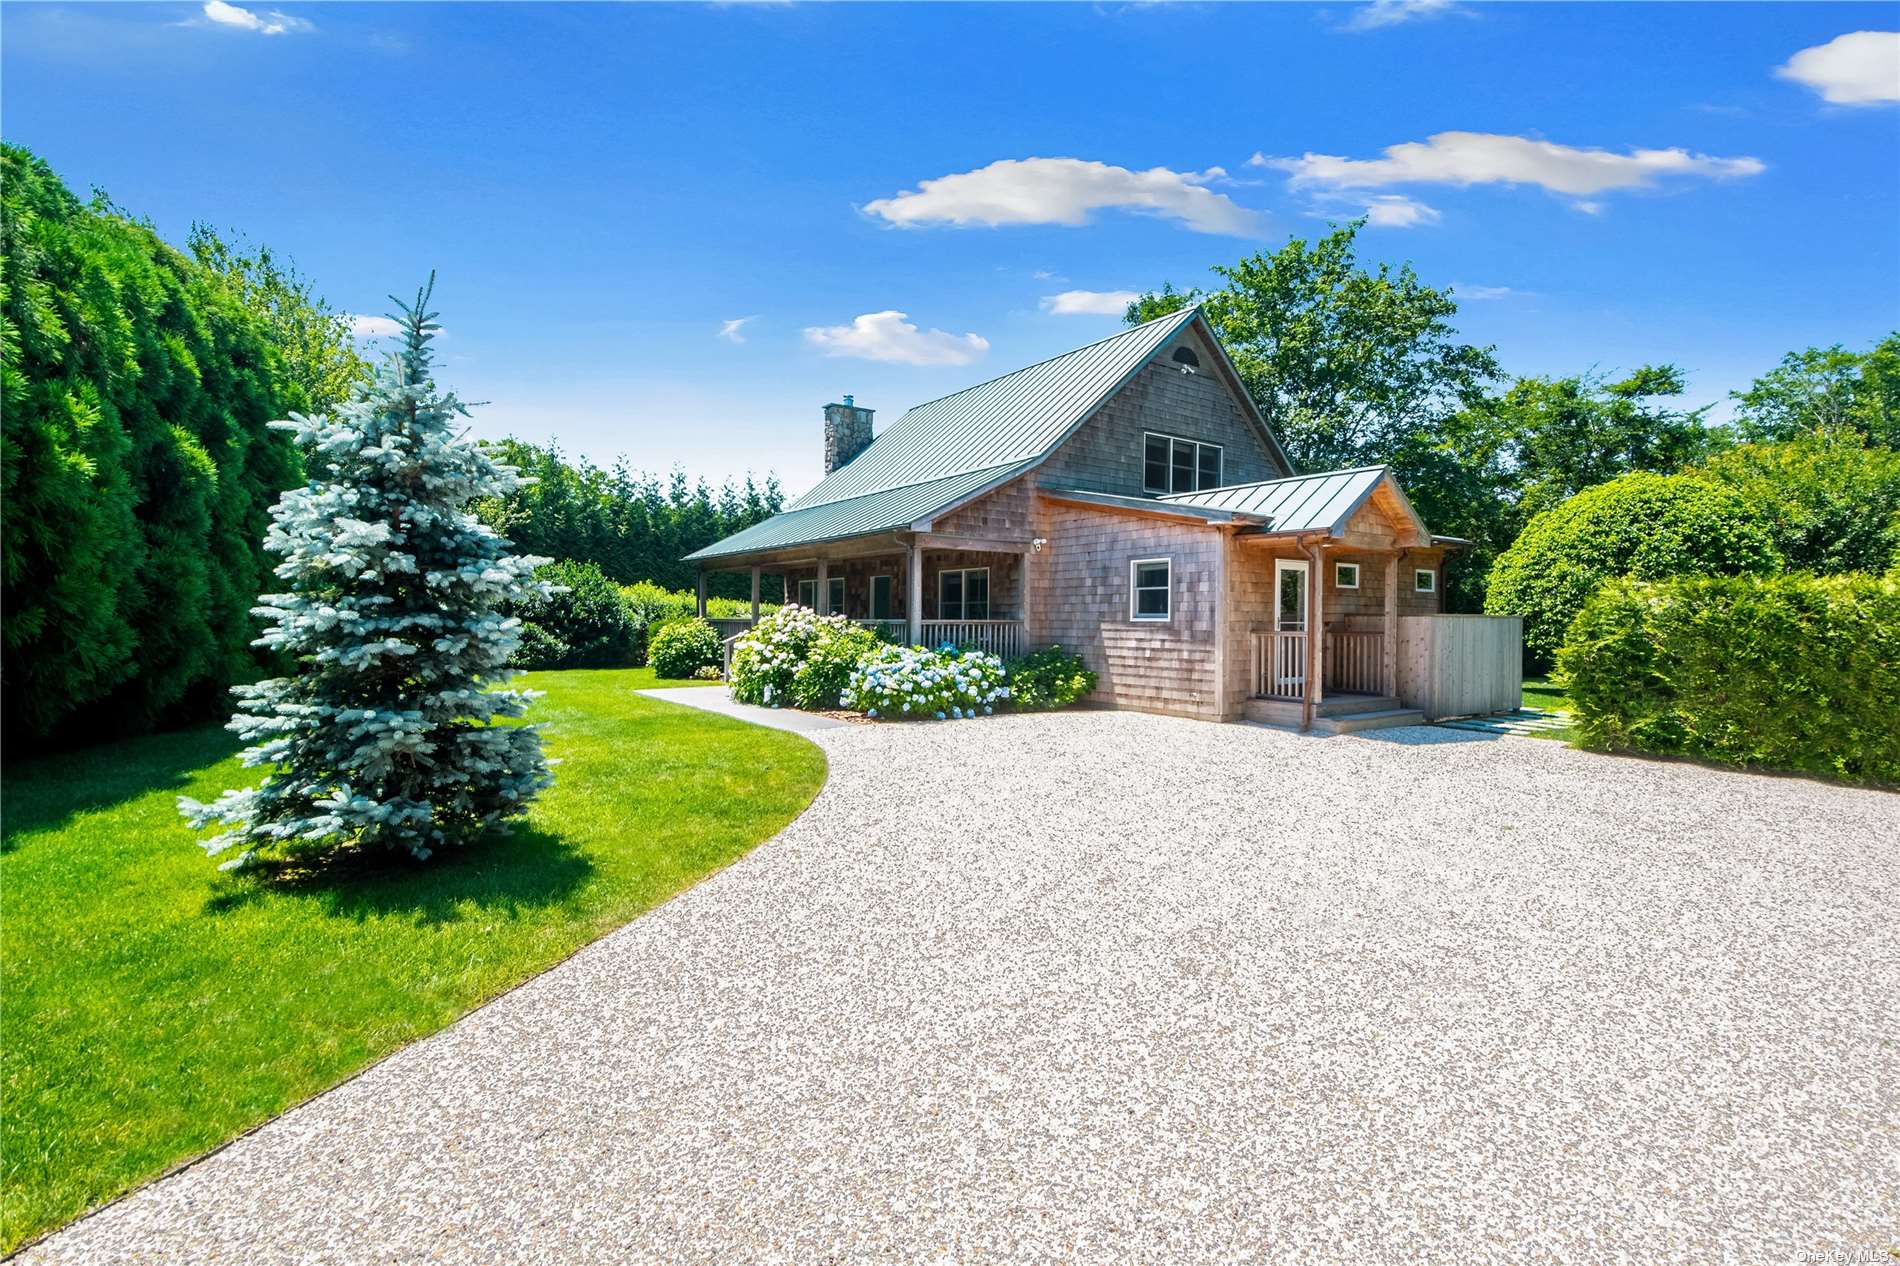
x,y
1342,714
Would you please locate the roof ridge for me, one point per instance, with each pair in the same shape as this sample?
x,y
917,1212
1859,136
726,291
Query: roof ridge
x,y
1023,369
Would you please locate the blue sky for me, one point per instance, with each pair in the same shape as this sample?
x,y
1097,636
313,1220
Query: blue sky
x,y
604,188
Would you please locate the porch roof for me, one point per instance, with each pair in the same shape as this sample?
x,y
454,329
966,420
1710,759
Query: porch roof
x,y
1302,503
858,516
1157,506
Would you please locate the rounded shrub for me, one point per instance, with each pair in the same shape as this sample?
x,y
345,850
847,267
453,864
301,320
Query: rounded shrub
x,y
798,658
1050,678
682,648
583,624
1642,525
896,683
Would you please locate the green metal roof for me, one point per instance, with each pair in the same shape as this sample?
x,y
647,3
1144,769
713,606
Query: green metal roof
x,y
1016,418
1301,503
944,451
857,516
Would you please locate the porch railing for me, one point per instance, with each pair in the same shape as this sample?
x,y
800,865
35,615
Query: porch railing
x,y
1279,665
1355,661
997,637
897,632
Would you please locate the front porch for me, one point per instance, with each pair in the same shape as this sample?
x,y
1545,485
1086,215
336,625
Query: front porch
x,y
916,588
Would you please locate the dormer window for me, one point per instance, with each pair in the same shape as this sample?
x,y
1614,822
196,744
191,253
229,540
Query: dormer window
x,y
1173,464
1185,356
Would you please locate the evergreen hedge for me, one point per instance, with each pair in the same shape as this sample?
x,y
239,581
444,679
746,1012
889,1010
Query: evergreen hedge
x,y
1794,672
136,467
1642,525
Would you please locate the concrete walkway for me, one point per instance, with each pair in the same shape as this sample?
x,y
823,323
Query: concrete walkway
x,y
1104,987
719,699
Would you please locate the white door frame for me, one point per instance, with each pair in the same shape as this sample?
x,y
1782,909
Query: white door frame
x,y
1289,662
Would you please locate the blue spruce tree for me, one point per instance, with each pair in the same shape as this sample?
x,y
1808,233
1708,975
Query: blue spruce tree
x,y
385,734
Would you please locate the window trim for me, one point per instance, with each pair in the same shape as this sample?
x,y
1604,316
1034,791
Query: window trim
x,y
1338,582
1432,572
964,601
813,604
1220,462
837,583
832,584
1135,590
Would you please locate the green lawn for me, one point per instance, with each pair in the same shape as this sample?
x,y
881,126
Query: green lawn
x,y
1541,692
155,1007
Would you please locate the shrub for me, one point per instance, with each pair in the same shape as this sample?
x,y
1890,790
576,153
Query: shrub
x,y
1831,503
653,607
796,656
1643,525
1050,678
894,682
709,673
586,625
682,648
1793,672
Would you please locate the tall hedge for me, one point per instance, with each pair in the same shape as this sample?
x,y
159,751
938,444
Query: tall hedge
x,y
1794,672
1643,525
136,470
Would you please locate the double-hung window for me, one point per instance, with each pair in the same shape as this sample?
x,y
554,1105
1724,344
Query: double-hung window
x,y
1151,589
1172,464
808,595
963,593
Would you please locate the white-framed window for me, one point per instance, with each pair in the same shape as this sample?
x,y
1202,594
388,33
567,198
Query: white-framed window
x,y
880,597
1346,575
1425,580
1150,588
1172,464
963,593
808,595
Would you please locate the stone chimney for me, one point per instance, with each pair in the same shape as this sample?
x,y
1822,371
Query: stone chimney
x,y
847,433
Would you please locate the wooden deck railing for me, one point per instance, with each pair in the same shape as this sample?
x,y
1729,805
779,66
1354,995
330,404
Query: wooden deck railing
x,y
1355,661
1279,665
998,637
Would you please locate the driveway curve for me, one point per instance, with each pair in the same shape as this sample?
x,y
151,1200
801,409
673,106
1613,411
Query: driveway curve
x,y
1115,987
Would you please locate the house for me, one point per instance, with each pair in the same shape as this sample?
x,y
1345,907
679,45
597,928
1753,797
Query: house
x,y
1128,501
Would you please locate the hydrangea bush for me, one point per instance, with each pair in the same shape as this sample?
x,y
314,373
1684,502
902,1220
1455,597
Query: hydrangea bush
x,y
394,615
1050,678
798,658
897,682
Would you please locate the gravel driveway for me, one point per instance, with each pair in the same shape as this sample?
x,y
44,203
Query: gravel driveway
x,y
1114,987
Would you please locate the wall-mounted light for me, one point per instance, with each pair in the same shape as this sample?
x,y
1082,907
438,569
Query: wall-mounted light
x,y
1038,543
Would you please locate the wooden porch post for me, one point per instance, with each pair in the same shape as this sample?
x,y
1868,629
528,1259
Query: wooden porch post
x,y
701,585
914,607
1315,634
1390,642
821,600
755,595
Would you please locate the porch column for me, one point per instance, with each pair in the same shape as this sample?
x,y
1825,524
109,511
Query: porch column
x,y
1315,633
755,595
915,602
1389,643
821,600
701,585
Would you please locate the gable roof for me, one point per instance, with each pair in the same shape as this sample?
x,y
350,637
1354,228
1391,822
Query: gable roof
x,y
956,447
1304,503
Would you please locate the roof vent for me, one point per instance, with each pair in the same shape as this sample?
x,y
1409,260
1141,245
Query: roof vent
x,y
1185,358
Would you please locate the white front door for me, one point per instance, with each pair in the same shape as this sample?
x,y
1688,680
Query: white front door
x,y
1290,606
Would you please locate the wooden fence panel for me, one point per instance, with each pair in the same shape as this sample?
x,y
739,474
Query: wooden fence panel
x,y
1461,665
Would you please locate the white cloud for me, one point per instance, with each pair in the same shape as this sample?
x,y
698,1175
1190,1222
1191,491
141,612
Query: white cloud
x,y
1089,302
1460,290
1860,68
272,23
731,330
374,327
888,336
1066,191
1475,158
1368,17
1396,211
